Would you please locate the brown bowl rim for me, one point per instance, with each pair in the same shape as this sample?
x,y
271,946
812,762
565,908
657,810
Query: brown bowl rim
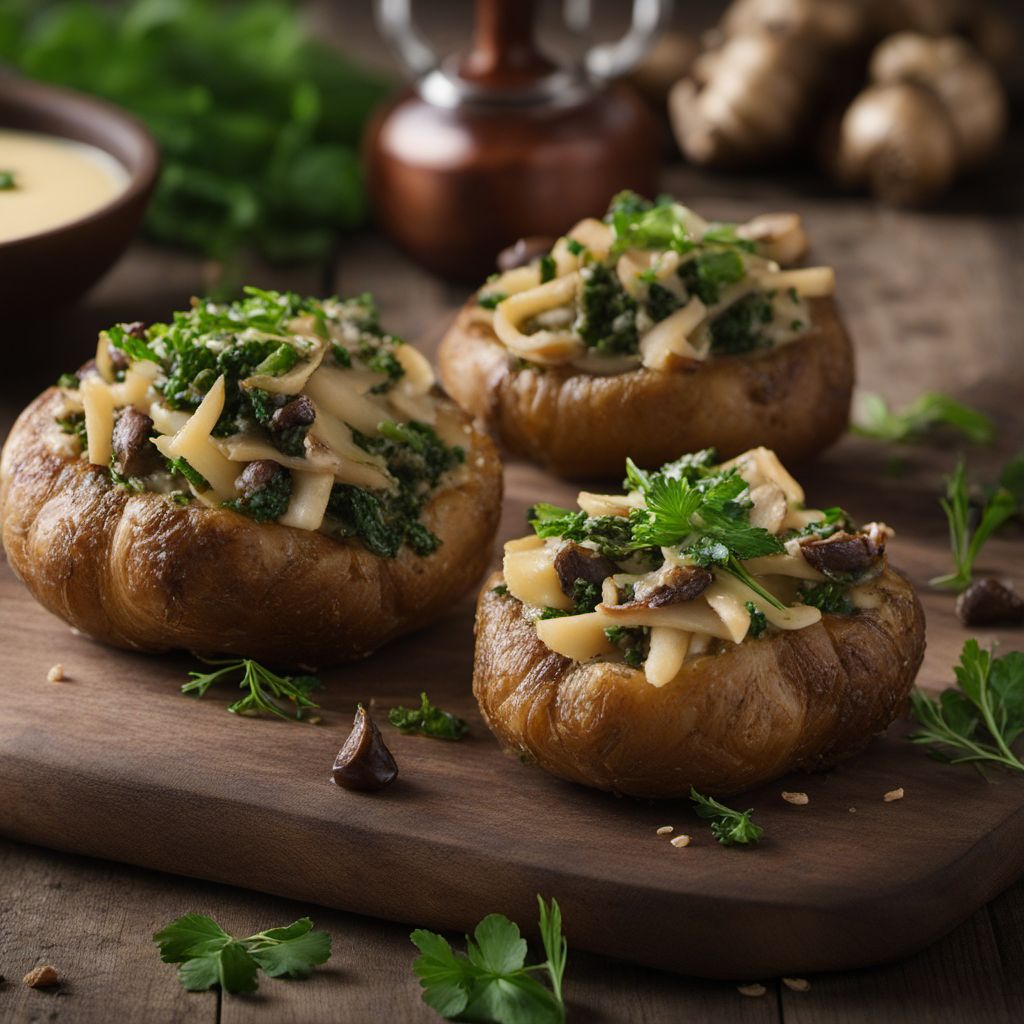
x,y
141,178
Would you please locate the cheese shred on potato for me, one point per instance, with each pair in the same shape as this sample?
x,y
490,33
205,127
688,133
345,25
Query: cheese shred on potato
x,y
694,558
285,409
656,286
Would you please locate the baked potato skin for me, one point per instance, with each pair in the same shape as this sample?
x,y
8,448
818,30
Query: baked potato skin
x,y
137,571
794,399
803,699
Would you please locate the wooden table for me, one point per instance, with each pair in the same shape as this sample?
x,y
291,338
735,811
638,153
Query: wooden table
x,y
932,300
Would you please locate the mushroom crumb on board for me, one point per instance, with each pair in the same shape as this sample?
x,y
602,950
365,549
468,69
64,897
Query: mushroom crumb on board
x,y
56,674
680,841
753,991
799,799
43,976
797,984
893,794
665,830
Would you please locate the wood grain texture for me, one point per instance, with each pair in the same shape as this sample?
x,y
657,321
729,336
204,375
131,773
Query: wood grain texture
x,y
148,777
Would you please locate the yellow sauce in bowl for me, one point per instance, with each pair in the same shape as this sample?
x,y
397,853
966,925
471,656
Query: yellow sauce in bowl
x,y
53,181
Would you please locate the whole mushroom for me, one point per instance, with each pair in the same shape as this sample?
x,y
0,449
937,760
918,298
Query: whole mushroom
x,y
898,140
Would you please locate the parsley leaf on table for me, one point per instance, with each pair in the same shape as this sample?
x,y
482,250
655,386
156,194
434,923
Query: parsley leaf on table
x,y
491,983
209,956
266,689
729,827
429,720
979,721
921,418
968,531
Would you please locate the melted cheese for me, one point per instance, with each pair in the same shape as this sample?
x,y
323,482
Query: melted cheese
x,y
331,389
577,637
308,503
667,654
531,578
668,340
98,403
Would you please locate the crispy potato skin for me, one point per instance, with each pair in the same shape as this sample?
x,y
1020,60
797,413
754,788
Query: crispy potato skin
x,y
804,699
136,571
794,399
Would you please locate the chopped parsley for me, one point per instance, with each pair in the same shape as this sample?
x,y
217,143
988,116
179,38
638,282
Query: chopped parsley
x,y
490,300
831,598
606,320
708,273
729,827
758,620
547,268
661,302
268,502
7,181
739,329
632,641
428,720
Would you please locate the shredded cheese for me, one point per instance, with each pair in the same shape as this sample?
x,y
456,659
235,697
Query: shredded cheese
x,y
98,403
308,503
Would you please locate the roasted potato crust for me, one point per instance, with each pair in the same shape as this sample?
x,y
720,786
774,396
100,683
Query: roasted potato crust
x,y
794,399
801,699
137,571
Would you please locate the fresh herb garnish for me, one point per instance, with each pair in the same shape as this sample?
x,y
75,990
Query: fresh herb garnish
x,y
266,503
922,418
729,827
661,302
707,274
490,300
428,720
7,181
259,142
576,248
758,620
632,641
727,234
637,223
491,983
68,380
209,956
969,531
739,328
501,590
267,691
978,721
547,268
74,423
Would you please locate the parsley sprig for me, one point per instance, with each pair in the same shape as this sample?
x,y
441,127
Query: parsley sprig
x,y
729,827
209,956
978,721
428,720
968,531
268,693
491,983
922,418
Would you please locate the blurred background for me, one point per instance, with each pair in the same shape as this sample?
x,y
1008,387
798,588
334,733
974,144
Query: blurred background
x,y
262,111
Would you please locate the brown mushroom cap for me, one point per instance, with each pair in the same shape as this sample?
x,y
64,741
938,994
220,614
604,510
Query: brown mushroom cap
x,y
898,140
959,77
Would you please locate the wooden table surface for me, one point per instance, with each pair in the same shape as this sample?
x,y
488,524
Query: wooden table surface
x,y
931,299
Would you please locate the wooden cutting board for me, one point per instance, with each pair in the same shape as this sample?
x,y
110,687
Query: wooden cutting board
x,y
115,763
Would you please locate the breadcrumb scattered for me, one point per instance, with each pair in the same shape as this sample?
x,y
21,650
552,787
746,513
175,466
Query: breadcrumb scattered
x,y
42,977
893,794
56,674
797,984
753,991
665,830
680,841
796,798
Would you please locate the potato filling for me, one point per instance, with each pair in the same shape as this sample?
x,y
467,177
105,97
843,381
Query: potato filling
x,y
295,410
692,557
655,285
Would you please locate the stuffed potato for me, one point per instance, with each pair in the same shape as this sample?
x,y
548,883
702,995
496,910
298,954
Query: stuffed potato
x,y
654,332
704,629
276,478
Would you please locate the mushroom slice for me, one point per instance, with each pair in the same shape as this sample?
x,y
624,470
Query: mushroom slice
x,y
668,650
761,465
770,506
577,637
810,282
311,351
779,236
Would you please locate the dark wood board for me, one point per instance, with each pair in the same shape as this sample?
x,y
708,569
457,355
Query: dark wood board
x,y
115,763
